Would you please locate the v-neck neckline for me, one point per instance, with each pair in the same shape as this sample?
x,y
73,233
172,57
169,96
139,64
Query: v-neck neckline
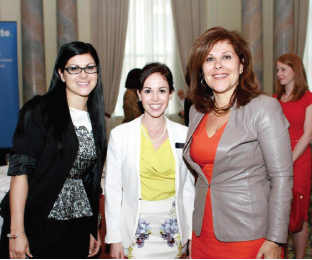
x,y
216,132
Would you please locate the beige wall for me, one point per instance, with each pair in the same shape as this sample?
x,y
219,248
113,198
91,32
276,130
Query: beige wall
x,y
225,13
50,31
268,63
228,14
10,10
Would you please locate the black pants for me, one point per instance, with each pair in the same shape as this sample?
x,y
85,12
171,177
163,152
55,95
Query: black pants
x,y
61,239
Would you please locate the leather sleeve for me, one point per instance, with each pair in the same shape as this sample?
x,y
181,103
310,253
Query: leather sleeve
x,y
275,144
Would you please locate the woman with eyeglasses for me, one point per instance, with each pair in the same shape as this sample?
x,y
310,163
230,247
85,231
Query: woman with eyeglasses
x,y
56,164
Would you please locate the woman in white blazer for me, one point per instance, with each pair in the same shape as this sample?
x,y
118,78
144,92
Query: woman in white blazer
x,y
149,193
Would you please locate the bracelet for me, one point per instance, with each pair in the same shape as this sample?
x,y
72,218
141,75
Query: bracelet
x,y
99,219
14,236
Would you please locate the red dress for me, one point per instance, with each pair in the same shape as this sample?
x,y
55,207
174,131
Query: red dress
x,y
207,245
295,111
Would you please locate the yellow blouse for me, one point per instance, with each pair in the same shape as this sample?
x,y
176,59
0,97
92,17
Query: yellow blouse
x,y
157,170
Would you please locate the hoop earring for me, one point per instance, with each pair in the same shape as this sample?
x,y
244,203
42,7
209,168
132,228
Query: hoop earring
x,y
201,82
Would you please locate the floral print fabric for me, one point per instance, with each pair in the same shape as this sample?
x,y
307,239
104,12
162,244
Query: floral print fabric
x,y
157,234
169,230
72,201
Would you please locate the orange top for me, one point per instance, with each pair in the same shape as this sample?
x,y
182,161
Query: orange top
x,y
203,152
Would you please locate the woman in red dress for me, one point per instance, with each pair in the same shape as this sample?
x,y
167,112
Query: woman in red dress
x,y
239,147
296,101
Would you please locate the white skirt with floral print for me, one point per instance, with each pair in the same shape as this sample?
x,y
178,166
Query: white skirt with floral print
x,y
157,234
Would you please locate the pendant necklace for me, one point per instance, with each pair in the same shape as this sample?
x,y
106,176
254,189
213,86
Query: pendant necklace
x,y
150,138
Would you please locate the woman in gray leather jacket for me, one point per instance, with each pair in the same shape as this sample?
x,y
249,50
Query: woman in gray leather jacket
x,y
239,147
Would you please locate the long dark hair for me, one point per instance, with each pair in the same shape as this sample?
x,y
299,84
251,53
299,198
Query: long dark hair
x,y
132,81
55,107
248,86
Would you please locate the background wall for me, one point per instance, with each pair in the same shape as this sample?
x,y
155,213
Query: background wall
x,y
11,11
228,14
223,13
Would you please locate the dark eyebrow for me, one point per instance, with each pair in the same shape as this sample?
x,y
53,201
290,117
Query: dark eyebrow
x,y
90,64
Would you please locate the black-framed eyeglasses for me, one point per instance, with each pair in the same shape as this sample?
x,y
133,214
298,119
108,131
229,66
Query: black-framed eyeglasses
x,y
76,70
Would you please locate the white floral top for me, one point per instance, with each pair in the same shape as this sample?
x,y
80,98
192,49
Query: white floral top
x,y
72,202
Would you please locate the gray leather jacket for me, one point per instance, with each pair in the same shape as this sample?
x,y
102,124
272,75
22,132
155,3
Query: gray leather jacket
x,y
251,185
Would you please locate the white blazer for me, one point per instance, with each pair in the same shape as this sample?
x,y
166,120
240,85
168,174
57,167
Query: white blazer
x,y
123,185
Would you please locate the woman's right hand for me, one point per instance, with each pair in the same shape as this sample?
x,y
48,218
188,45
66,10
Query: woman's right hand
x,y
19,247
116,251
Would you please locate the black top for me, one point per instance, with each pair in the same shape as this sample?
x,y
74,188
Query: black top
x,y
47,164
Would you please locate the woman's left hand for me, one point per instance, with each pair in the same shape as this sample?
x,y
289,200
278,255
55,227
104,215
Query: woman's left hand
x,y
269,250
94,245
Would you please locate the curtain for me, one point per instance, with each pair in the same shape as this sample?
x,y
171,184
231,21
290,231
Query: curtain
x,y
108,34
150,37
190,22
307,58
301,10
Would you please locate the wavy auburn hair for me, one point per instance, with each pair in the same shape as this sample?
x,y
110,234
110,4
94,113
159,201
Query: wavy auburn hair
x,y
301,86
248,86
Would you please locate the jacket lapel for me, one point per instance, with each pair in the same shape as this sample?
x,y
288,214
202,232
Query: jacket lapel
x,y
174,151
225,144
137,150
193,125
194,122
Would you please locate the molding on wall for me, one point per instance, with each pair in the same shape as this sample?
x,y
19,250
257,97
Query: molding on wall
x,y
268,63
50,37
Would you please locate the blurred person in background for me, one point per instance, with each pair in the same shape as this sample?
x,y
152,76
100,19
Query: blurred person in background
x,y
131,103
296,101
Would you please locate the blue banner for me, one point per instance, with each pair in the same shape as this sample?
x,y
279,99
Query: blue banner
x,y
9,94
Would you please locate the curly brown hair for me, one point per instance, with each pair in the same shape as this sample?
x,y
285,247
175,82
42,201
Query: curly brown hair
x,y
248,86
301,86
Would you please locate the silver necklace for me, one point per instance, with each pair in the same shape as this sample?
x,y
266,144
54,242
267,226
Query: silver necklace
x,y
149,139
157,130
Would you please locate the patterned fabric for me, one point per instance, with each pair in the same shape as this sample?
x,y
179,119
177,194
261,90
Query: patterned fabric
x,y
72,201
142,233
157,234
169,230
